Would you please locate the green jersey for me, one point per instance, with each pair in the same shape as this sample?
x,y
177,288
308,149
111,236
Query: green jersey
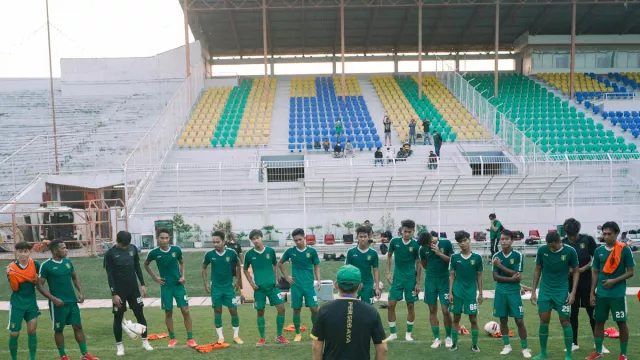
x,y
302,263
58,276
465,285
25,297
365,261
495,234
436,267
600,258
221,267
555,268
513,262
262,264
405,255
168,263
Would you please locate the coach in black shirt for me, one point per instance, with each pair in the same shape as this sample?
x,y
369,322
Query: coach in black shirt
x,y
585,246
345,327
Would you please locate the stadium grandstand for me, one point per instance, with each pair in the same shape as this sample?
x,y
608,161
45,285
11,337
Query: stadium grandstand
x,y
274,114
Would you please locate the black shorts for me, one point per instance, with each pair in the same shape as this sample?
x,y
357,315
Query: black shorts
x,y
134,300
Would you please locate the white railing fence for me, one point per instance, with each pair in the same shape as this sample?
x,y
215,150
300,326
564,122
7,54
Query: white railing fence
x,y
154,146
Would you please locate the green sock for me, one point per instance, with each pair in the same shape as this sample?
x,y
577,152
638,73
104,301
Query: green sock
x,y
235,321
314,316
543,332
568,338
506,339
392,327
623,347
172,335
33,346
598,342
409,326
447,329
474,337
13,347
524,344
296,322
217,320
279,324
454,337
189,335
61,351
436,332
261,326
83,348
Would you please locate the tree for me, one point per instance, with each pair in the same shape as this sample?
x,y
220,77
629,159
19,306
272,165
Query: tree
x,y
182,229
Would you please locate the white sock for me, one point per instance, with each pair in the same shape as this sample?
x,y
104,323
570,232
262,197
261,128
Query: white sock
x,y
392,324
219,331
235,331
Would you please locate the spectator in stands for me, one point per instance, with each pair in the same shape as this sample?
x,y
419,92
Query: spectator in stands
x,y
437,142
326,145
433,160
404,152
387,130
378,157
412,132
337,150
316,145
426,124
348,149
625,239
338,127
389,155
598,234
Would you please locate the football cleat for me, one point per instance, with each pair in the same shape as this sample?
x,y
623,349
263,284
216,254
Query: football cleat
x,y
146,345
526,353
392,337
436,343
298,338
408,337
238,341
119,350
448,342
282,340
172,343
475,348
595,355
261,342
191,343
507,349
88,356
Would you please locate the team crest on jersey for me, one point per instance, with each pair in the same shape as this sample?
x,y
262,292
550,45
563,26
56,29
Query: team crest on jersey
x,y
68,266
582,246
131,253
410,249
13,325
368,257
473,262
563,257
57,324
513,261
173,254
308,255
268,256
228,258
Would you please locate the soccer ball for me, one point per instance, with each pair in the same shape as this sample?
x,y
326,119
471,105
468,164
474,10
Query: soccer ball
x,y
492,328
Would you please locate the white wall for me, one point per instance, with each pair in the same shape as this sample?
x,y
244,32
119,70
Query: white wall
x,y
221,81
523,219
114,76
22,84
32,195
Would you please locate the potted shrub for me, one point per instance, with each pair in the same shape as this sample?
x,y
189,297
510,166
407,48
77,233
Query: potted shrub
x,y
269,230
198,241
348,237
420,228
243,239
311,238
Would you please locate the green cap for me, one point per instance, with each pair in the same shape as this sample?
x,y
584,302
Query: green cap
x,y
349,277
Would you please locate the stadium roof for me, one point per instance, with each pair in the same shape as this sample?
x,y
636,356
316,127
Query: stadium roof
x,y
234,27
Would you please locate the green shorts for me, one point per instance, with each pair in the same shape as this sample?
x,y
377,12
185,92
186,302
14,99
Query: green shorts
x,y
557,302
170,292
224,297
400,288
508,305
16,316
436,289
260,298
616,306
68,314
307,292
462,306
366,294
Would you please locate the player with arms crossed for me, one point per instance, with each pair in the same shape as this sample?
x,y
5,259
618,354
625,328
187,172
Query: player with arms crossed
x,y
23,275
365,259
225,264
405,278
508,265
305,264
171,280
612,265
262,259
123,273
60,276
465,279
434,256
554,263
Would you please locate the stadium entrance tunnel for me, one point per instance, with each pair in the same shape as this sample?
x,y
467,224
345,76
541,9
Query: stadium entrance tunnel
x,y
282,168
490,163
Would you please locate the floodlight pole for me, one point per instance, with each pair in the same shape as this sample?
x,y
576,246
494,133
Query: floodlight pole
x,y
265,89
572,71
186,38
53,105
344,87
497,45
420,49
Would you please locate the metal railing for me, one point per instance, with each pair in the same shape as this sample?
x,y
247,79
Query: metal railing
x,y
482,110
156,143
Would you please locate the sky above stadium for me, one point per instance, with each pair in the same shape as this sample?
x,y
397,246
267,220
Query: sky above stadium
x,y
84,29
